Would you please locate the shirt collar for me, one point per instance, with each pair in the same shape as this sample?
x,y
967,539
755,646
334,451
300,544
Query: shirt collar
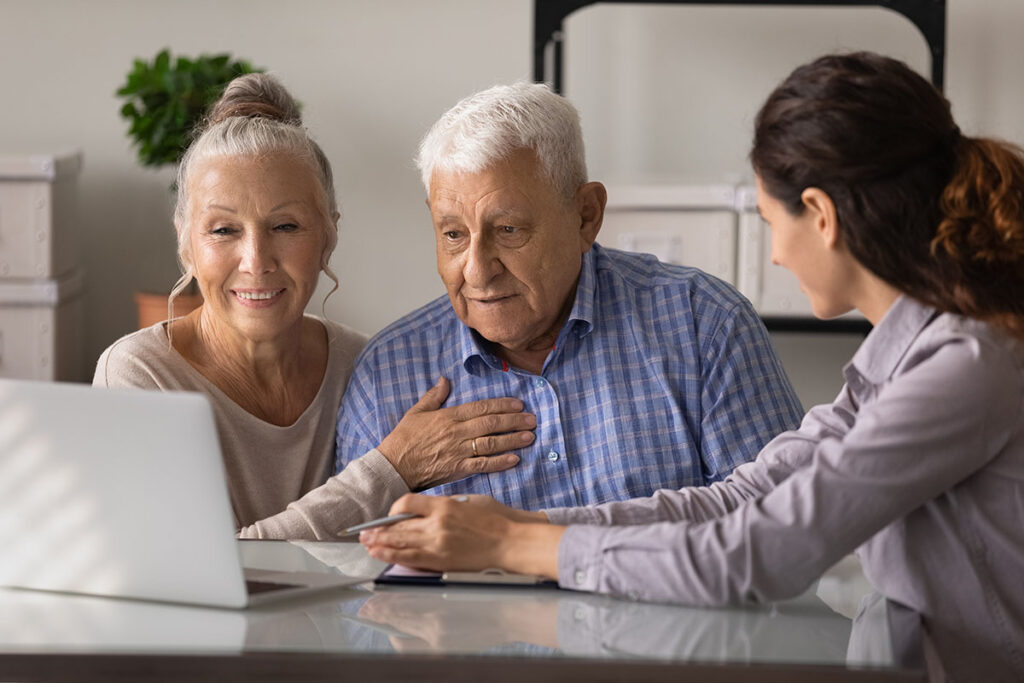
x,y
888,342
584,308
474,349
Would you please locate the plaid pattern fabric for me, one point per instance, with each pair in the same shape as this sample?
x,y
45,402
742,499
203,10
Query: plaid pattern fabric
x,y
662,377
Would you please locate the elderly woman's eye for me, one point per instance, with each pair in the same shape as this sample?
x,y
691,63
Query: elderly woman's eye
x,y
222,230
286,227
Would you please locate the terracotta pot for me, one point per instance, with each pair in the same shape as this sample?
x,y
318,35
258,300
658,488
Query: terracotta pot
x,y
153,307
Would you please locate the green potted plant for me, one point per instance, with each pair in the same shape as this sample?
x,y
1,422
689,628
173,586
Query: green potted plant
x,y
164,100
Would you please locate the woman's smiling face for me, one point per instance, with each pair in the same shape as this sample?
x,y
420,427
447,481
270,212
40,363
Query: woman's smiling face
x,y
800,246
258,228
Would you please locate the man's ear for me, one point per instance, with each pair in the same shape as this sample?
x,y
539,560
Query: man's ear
x,y
822,212
590,202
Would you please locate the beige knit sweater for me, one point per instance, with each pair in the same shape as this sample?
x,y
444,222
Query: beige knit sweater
x,y
276,475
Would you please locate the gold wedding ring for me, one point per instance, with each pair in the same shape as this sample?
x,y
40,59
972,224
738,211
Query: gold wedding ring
x,y
473,444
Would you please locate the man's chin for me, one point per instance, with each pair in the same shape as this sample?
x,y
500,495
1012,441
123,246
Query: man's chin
x,y
500,337
496,333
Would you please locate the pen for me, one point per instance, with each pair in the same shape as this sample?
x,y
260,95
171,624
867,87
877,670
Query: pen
x,y
390,519
374,523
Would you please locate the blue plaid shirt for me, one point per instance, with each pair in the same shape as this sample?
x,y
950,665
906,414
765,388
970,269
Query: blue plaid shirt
x,y
662,377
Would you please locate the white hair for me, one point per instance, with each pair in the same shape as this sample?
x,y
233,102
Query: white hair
x,y
254,117
493,124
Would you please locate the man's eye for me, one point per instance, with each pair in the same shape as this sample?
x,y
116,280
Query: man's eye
x,y
451,235
512,236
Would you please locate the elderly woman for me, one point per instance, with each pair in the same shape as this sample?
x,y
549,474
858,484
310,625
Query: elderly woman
x,y
256,223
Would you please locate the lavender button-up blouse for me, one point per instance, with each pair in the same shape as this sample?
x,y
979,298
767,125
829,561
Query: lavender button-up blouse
x,y
918,465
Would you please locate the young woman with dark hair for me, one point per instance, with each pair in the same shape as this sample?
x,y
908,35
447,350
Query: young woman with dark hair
x,y
878,202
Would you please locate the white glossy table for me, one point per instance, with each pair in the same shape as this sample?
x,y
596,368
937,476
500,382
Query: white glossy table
x,y
435,633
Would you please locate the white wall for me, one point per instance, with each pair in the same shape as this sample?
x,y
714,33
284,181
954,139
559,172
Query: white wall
x,y
372,76
666,93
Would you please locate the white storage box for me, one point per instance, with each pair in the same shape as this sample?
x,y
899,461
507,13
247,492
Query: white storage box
x,y
772,289
713,227
41,323
37,215
692,225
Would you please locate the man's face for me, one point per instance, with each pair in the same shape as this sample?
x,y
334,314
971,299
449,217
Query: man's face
x,y
510,248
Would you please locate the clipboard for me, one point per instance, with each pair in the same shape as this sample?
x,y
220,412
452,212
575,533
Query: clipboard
x,y
397,574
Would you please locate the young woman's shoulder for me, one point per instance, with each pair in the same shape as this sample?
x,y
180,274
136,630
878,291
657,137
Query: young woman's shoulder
x,y
974,360
981,342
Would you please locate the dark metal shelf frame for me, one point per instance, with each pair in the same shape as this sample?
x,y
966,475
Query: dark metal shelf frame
x,y
929,16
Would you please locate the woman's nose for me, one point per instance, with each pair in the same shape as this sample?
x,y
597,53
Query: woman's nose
x,y
257,256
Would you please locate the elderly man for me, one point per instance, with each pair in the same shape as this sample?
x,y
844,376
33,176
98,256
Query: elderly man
x,y
642,375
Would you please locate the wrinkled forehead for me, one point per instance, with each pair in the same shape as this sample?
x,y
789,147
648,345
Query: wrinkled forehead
x,y
271,177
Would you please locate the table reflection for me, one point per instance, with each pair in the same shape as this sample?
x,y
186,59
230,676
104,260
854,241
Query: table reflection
x,y
510,621
470,620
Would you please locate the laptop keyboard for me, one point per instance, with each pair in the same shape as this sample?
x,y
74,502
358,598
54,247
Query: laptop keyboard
x,y
256,587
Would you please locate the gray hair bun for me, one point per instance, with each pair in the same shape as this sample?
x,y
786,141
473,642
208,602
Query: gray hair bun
x,y
255,95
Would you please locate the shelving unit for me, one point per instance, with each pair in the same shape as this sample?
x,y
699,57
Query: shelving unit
x,y
650,222
929,16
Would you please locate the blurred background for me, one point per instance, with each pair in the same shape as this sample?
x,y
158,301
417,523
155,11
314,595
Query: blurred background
x,y
667,95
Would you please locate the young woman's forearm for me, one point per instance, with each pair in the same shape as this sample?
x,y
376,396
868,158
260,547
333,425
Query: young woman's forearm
x,y
532,549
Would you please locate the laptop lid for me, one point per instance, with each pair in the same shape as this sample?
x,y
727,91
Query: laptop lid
x,y
118,493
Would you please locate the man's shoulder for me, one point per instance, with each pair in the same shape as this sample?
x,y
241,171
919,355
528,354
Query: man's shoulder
x,y
429,326
344,340
644,272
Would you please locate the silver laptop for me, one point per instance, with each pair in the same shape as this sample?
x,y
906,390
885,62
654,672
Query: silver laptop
x,y
122,493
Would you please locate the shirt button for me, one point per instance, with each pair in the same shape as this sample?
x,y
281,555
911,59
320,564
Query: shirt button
x,y
553,456
580,576
540,383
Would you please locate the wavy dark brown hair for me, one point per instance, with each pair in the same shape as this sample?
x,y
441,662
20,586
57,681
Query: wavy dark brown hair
x,y
934,213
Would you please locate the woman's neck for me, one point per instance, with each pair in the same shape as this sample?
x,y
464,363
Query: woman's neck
x,y
274,379
875,296
263,361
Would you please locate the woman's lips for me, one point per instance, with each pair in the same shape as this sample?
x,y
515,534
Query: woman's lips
x,y
257,298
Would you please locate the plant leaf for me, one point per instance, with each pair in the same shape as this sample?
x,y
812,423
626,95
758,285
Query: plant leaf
x,y
165,99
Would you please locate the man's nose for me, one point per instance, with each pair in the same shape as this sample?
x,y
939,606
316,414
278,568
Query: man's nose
x,y
482,263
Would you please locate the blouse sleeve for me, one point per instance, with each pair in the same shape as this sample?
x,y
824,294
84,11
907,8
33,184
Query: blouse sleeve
x,y
779,458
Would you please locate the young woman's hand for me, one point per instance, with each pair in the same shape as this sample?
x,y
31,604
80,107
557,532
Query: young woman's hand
x,y
466,533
